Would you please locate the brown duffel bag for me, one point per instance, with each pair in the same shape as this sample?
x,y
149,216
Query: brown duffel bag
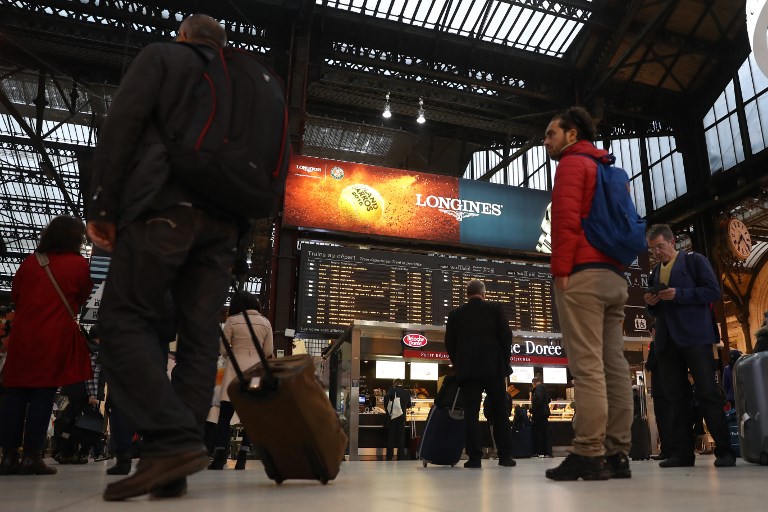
x,y
291,423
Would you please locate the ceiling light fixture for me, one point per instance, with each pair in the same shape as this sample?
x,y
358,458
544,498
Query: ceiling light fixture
x,y
421,119
387,112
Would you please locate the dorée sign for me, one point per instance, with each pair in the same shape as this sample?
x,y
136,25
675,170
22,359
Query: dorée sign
x,y
530,352
415,340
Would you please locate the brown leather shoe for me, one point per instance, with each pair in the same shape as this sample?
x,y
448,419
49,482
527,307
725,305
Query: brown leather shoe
x,y
172,489
155,473
34,465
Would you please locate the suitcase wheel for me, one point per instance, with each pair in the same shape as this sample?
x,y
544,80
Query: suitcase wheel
x,y
424,463
269,466
321,473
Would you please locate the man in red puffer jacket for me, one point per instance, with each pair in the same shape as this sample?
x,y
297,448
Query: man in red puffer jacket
x,y
590,293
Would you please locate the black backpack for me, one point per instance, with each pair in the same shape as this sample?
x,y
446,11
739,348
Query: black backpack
x,y
229,140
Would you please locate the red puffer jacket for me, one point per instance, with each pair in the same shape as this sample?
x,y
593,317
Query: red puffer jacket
x,y
571,201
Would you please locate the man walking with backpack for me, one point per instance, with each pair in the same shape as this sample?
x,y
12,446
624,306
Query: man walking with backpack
x,y
164,237
590,293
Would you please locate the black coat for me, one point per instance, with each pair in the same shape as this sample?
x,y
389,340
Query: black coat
x,y
479,340
131,171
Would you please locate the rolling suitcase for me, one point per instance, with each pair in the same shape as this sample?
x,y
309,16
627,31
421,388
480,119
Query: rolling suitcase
x,y
292,424
442,441
750,385
522,435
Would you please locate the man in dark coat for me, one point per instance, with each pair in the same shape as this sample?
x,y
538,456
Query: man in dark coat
x,y
479,343
684,339
540,399
163,238
396,424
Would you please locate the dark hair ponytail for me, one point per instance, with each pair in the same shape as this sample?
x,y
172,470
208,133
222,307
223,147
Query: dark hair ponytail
x,y
577,118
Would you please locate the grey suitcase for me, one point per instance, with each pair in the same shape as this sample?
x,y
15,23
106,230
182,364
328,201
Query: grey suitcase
x,y
750,383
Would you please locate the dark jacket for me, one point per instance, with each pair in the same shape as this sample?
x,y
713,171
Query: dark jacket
x,y
478,340
687,319
131,172
540,403
762,340
405,398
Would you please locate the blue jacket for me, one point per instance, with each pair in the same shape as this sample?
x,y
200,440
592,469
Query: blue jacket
x,y
687,319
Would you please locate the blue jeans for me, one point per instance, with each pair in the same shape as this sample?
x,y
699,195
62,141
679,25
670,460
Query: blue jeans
x,y
190,253
26,413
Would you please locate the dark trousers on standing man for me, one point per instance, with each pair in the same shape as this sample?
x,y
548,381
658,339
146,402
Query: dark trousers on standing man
x,y
189,252
396,437
540,433
674,363
472,393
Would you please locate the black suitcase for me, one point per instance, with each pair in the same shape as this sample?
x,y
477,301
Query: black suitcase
x,y
732,421
522,434
641,439
442,441
292,424
750,385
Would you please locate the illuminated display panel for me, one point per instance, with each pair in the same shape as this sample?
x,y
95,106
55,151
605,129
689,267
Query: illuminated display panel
x,y
424,371
522,374
390,369
341,284
382,201
555,375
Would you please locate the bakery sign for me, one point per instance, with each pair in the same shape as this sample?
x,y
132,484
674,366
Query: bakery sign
x,y
530,352
415,340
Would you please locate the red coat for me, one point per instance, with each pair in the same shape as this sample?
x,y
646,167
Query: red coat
x,y
571,201
45,348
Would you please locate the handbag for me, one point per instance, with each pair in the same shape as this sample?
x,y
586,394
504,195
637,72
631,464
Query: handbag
x,y
42,259
91,420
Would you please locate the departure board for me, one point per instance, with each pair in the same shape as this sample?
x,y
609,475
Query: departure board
x,y
342,284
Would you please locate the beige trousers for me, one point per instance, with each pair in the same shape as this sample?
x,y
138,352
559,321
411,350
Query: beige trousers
x,y
591,312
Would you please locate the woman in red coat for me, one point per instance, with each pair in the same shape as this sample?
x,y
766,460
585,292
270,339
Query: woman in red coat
x,y
46,349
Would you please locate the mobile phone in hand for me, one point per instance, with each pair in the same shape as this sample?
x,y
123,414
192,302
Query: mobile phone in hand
x,y
656,289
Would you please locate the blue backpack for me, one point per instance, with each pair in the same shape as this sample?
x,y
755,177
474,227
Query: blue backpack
x,y
613,226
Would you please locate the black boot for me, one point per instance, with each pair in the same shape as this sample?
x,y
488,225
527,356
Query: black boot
x,y
242,455
219,458
122,465
33,464
10,462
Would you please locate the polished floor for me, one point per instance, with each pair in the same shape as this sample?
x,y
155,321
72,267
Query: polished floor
x,y
409,487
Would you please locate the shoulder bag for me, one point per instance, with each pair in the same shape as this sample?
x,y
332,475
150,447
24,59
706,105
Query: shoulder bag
x,y
42,259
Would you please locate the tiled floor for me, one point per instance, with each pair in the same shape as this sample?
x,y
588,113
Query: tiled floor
x,y
408,487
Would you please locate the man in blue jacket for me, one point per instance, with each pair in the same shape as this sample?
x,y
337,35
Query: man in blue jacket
x,y
682,287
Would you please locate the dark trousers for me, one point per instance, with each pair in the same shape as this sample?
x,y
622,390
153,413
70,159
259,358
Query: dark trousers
x,y
188,252
396,437
224,432
26,414
662,412
674,364
472,394
121,430
67,444
540,434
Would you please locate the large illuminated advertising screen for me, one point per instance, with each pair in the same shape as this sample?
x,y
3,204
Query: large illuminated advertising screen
x,y
343,196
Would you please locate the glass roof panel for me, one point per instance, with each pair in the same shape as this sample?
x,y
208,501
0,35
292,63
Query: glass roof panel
x,y
539,26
